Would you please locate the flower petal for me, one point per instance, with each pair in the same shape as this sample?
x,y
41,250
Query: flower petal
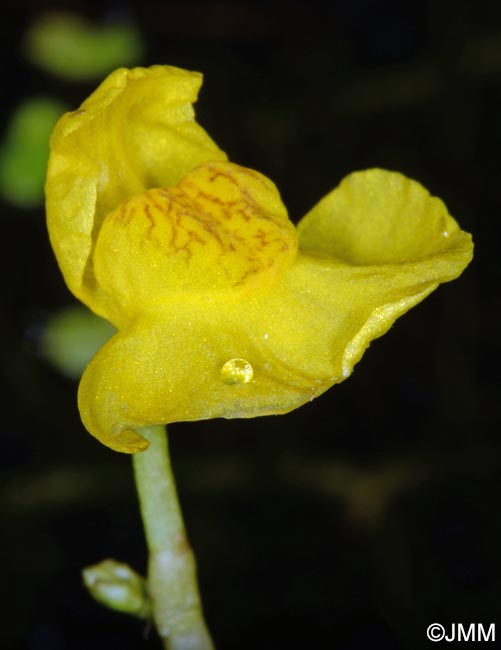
x,y
378,217
223,230
136,131
330,311
266,354
389,243
197,354
191,361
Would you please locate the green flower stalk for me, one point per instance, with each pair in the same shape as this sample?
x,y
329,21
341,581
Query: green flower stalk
x,y
172,583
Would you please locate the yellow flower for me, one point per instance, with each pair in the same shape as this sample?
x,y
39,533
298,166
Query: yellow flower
x,y
223,308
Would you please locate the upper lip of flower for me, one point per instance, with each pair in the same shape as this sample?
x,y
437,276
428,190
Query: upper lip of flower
x,y
195,261
136,131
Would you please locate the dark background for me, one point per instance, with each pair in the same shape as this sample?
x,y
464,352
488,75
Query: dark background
x,y
364,516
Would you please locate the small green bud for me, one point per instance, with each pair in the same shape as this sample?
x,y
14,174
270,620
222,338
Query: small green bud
x,y
118,587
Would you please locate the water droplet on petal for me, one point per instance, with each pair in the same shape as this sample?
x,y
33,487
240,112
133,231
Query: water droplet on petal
x,y
237,371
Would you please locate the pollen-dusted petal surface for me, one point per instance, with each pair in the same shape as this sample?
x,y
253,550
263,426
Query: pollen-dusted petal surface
x,y
242,326
204,358
385,244
380,217
222,230
136,131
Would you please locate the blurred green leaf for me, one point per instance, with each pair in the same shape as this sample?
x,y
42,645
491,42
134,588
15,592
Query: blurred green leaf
x,y
25,150
72,337
70,47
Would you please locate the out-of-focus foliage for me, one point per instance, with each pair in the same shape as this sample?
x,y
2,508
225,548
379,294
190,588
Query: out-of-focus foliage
x,y
72,337
25,150
71,47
